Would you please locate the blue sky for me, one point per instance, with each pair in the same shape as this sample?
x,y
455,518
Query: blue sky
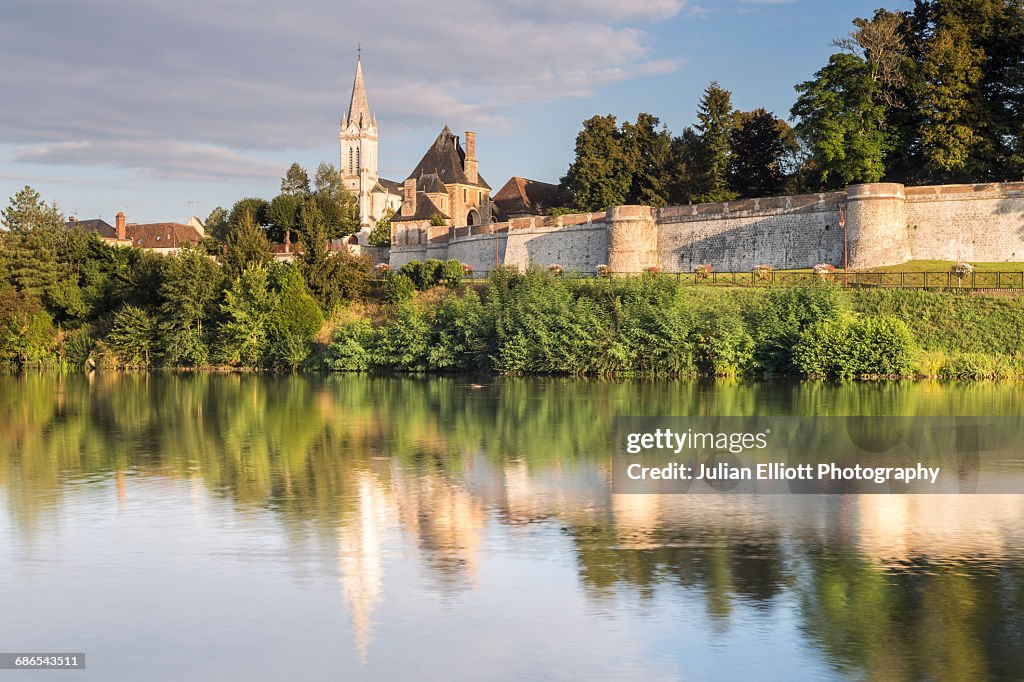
x,y
167,109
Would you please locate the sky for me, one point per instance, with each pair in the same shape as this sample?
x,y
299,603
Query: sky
x,y
170,109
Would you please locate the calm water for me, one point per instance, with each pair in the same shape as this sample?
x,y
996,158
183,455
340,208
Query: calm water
x,y
349,528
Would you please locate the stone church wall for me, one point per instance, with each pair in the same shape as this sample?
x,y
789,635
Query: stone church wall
x,y
886,224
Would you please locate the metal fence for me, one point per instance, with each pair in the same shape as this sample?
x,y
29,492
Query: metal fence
x,y
982,281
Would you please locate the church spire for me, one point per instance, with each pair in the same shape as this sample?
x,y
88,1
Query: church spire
x,y
358,108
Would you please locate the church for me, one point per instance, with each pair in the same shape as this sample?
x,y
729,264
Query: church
x,y
444,188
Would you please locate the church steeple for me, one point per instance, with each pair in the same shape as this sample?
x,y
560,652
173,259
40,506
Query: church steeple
x,y
358,107
358,138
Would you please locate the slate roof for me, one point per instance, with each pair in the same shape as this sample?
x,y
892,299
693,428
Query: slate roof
x,y
425,210
447,160
522,196
431,184
97,225
358,107
390,185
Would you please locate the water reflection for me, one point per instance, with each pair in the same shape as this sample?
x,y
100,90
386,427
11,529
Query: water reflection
x,y
393,478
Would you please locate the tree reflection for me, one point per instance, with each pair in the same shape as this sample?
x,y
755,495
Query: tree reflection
x,y
351,461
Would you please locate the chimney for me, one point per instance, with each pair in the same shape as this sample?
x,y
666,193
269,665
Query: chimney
x,y
409,198
471,164
120,226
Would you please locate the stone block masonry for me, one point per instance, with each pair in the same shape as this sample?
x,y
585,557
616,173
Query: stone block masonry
x,y
886,224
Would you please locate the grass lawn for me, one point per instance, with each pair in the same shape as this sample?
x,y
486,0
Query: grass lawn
x,y
945,265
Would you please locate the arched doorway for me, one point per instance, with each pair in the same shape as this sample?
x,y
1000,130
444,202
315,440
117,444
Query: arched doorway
x,y
472,218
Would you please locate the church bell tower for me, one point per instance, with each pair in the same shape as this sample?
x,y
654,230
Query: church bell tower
x,y
358,137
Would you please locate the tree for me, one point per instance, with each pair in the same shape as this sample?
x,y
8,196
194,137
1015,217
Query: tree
x,y
284,216
245,245
713,153
254,206
761,146
27,336
30,248
295,182
190,289
952,70
332,277
131,336
841,121
217,223
647,146
600,176
381,233
336,204
296,320
248,308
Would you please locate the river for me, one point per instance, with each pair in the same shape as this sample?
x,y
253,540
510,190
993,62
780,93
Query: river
x,y
212,527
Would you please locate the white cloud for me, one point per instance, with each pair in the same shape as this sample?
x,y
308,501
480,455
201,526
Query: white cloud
x,y
133,80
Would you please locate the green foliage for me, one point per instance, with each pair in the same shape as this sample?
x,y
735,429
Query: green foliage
x,y
332,277
217,224
714,152
351,348
296,320
337,205
398,288
295,182
841,121
847,347
601,174
450,272
723,344
424,275
254,207
285,216
189,292
381,233
249,314
782,317
77,348
437,220
404,343
132,335
245,246
761,147
27,335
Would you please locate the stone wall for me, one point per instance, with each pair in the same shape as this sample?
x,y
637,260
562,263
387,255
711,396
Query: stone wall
x,y
784,232
966,222
886,224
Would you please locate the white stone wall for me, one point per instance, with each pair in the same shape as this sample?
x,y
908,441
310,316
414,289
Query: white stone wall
x,y
788,232
982,223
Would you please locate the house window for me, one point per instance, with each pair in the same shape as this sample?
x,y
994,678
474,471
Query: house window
x,y
465,195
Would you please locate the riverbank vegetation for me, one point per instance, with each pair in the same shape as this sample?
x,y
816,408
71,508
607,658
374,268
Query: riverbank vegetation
x,y
70,301
651,325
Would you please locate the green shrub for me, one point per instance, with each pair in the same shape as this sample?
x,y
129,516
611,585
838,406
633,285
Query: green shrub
x,y
848,347
724,346
778,320
463,334
404,343
398,288
451,273
77,347
132,336
422,274
351,348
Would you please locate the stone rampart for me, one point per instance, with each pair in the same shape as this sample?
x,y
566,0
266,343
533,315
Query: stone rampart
x,y
885,224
